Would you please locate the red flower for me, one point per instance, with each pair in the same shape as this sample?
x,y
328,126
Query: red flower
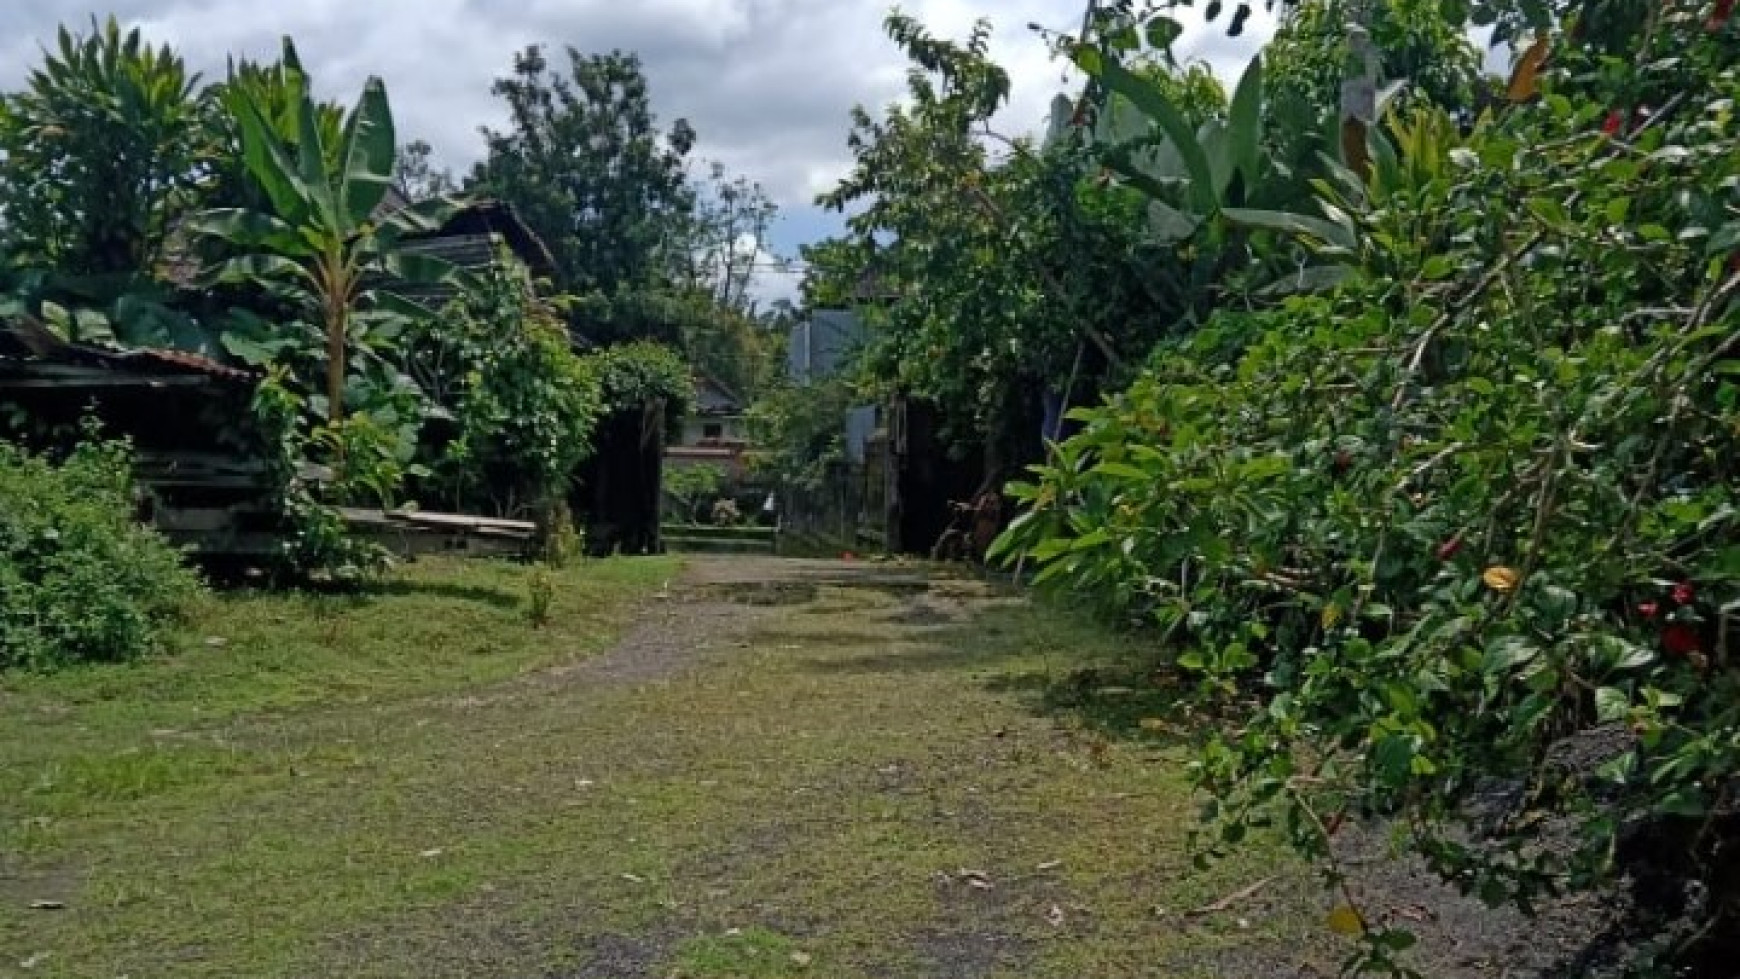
x,y
1719,16
1681,639
1450,548
1684,593
1615,122
1648,609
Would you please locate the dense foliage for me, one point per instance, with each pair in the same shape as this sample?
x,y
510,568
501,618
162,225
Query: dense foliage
x,y
648,250
80,581
585,163
632,376
1417,43
248,221
522,403
320,246
799,432
103,149
1433,529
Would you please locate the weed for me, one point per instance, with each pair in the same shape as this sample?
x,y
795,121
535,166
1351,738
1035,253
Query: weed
x,y
540,593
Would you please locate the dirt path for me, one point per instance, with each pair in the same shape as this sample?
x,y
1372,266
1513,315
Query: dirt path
x,y
780,769
797,768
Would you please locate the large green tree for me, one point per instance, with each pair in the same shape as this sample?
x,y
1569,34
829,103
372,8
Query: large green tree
x,y
1010,273
102,149
585,163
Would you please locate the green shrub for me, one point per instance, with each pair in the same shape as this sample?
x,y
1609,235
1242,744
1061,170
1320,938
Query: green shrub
x,y
633,374
1469,516
523,406
688,488
80,581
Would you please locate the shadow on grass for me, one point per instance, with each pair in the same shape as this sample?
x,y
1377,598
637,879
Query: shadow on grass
x,y
1105,682
1117,702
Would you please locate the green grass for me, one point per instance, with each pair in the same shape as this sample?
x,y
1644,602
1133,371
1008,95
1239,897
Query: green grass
x,y
753,953
400,785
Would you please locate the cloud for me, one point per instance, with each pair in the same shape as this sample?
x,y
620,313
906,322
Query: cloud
x,y
768,84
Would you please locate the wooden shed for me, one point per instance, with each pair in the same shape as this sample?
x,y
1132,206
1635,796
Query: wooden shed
x,y
201,468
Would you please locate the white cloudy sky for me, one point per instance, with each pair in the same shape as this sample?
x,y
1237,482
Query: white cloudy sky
x,y
767,83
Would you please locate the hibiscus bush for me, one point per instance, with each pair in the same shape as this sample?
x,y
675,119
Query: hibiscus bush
x,y
1412,537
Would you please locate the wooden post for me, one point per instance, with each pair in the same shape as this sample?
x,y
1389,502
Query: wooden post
x,y
1359,102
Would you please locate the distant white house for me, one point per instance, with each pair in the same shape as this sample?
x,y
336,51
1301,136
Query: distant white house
x,y
715,431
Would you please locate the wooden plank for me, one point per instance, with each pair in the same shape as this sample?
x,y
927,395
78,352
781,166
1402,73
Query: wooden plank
x,y
462,521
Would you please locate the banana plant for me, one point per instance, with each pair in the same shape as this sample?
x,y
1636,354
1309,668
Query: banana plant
x,y
1191,176
321,243
274,91
1211,178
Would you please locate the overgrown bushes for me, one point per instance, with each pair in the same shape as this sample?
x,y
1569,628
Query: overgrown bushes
x,y
522,406
1473,513
80,580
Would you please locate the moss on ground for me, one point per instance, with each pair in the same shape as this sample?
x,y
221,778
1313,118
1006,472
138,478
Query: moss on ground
x,y
865,781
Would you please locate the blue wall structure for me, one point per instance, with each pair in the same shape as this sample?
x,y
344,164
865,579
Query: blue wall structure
x,y
823,344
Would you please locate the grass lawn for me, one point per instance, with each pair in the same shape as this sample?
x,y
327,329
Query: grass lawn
x,y
417,783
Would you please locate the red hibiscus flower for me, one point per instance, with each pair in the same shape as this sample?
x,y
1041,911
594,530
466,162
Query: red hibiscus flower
x,y
1719,16
1681,639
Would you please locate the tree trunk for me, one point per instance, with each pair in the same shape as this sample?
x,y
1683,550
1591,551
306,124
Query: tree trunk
x,y
335,330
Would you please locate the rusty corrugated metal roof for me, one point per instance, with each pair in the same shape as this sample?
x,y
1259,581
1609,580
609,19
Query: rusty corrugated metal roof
x,y
191,361
23,338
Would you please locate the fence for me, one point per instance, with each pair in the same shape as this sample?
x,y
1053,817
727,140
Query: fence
x,y
845,511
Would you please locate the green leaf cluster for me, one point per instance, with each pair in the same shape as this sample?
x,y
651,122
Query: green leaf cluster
x,y
1471,507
